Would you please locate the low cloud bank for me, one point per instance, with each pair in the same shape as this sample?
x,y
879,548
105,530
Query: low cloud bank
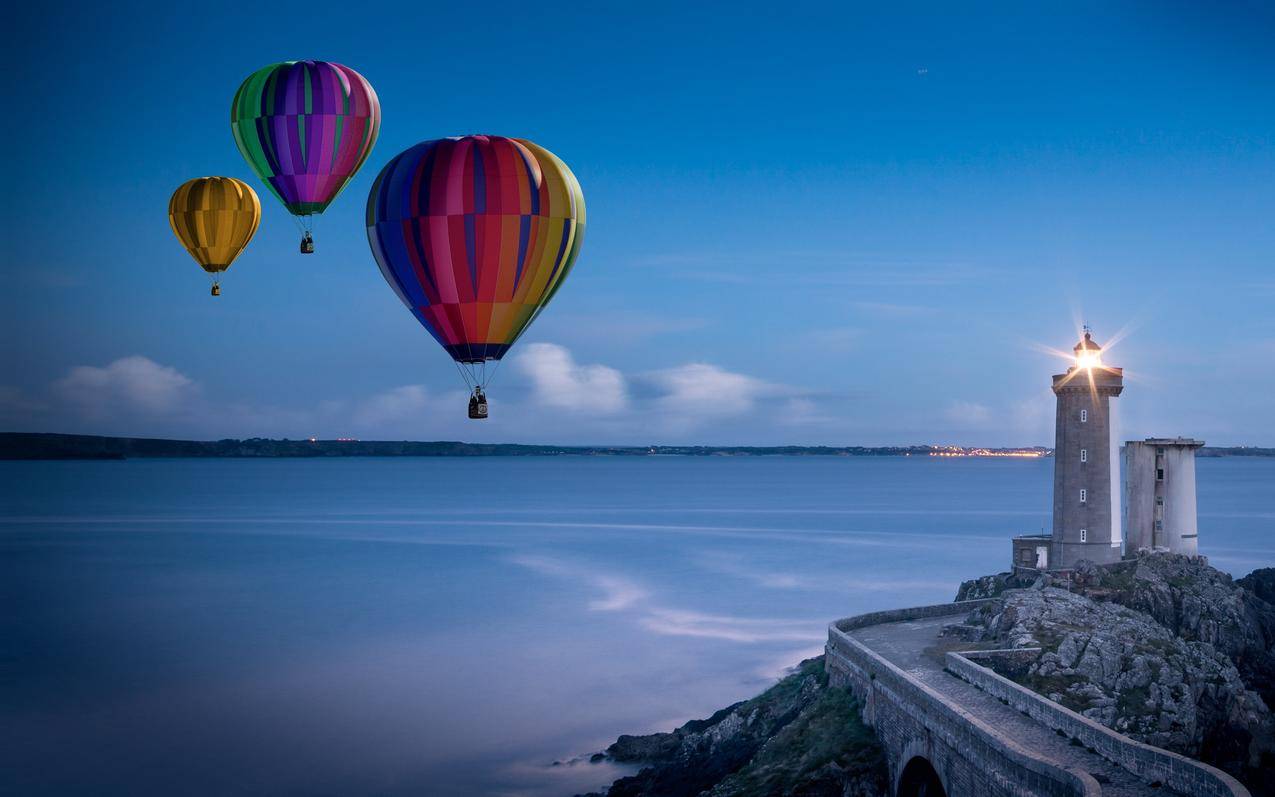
x,y
558,381
545,395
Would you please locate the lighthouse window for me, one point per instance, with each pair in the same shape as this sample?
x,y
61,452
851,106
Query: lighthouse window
x,y
1084,495
1159,474
1084,535
1084,455
1159,525
1159,502
1084,416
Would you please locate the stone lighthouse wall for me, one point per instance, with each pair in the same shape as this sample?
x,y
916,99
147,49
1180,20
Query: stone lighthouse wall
x,y
1084,523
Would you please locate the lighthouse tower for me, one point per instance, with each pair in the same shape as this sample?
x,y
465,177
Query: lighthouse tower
x,y
1085,515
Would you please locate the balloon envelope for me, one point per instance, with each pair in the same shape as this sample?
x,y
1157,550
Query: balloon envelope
x,y
305,128
214,218
475,234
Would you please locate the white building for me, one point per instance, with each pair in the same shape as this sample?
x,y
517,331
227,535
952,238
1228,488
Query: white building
x,y
1160,510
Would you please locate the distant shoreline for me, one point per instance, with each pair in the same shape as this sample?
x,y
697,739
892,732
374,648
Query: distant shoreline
x,y
47,446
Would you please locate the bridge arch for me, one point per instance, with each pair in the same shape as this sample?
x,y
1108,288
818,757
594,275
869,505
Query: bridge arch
x,y
919,778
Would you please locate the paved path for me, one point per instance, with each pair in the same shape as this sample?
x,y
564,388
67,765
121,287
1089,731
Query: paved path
x,y
914,647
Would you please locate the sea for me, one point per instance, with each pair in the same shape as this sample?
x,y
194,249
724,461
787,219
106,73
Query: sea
x,y
465,626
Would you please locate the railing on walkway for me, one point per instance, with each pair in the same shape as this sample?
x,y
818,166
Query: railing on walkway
x,y
1152,764
876,678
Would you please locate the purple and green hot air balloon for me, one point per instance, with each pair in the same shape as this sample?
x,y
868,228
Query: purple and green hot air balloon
x,y
305,128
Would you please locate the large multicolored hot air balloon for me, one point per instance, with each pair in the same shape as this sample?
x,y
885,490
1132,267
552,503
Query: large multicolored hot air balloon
x,y
305,128
475,234
214,218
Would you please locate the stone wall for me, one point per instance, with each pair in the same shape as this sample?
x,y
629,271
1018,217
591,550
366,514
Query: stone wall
x,y
1086,395
1030,552
1151,763
913,719
915,613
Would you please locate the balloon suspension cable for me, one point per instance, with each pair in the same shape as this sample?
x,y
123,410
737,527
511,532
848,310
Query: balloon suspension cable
x,y
469,352
487,379
464,375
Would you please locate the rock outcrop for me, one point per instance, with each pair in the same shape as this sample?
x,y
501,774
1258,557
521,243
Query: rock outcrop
x,y
993,586
1261,583
1198,603
1163,648
800,738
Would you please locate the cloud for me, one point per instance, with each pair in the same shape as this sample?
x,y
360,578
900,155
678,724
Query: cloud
x,y
805,412
704,390
136,395
557,400
557,381
129,383
1034,417
398,406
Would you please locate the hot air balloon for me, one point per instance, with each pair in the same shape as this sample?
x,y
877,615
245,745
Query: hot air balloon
x,y
475,235
305,128
214,218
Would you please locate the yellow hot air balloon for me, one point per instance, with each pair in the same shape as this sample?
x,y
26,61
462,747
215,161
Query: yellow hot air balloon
x,y
214,218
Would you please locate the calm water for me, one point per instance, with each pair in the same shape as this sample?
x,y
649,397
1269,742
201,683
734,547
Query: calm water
x,y
404,627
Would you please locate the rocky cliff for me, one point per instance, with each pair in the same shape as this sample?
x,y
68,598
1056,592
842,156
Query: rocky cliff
x,y
800,738
1163,648
1261,583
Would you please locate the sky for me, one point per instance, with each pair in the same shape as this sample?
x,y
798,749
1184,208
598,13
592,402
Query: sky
x,y
808,224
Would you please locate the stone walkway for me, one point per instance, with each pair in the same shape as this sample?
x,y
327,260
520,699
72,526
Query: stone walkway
x,y
914,647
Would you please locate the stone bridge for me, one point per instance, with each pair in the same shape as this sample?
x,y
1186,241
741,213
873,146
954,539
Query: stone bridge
x,y
951,726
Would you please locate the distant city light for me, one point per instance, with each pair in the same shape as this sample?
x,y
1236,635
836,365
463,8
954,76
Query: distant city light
x,y
961,451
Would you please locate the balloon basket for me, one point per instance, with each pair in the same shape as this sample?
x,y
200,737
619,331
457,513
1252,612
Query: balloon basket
x,y
477,407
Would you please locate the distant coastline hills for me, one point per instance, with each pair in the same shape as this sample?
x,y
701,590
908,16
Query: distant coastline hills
x,y
40,446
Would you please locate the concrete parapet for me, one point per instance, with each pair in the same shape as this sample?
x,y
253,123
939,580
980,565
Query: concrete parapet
x,y
970,756
915,613
1150,763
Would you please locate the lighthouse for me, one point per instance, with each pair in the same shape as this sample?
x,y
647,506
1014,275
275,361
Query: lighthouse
x,y
1086,517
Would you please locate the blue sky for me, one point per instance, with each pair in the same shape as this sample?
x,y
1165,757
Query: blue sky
x,y
817,224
